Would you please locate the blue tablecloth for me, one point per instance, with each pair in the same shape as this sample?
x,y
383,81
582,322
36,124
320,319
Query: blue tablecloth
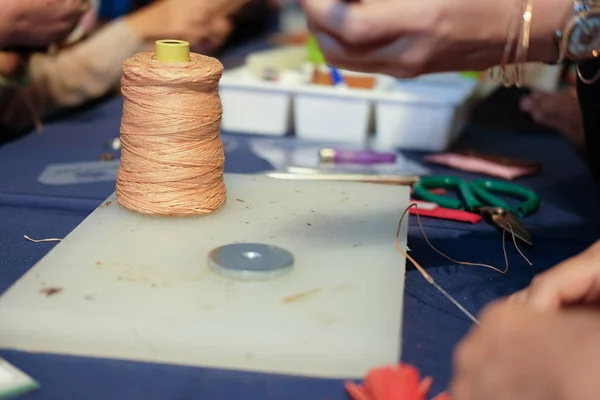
x,y
564,226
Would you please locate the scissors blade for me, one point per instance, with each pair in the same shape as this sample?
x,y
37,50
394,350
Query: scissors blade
x,y
506,221
515,228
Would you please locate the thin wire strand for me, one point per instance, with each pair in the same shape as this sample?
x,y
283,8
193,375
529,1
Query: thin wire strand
x,y
425,274
430,279
42,240
512,232
502,271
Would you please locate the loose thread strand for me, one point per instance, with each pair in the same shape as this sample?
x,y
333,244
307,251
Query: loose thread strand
x,y
430,279
504,271
42,240
514,239
425,274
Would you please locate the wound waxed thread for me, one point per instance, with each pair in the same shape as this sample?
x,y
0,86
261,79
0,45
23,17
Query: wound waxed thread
x,y
172,158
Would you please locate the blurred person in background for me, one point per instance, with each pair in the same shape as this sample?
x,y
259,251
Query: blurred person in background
x,y
28,26
558,110
89,66
38,23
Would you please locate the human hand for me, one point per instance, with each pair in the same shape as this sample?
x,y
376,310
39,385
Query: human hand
x,y
219,30
11,64
409,38
557,110
39,23
520,354
575,281
195,21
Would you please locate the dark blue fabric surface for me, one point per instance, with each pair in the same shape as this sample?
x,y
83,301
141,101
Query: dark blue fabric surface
x,y
565,225
110,9
82,139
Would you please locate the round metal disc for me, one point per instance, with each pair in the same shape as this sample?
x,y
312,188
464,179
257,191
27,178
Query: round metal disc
x,y
250,261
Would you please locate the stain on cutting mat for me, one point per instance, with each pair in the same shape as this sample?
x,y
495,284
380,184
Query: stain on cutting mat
x,y
301,296
108,203
51,291
327,319
150,276
309,293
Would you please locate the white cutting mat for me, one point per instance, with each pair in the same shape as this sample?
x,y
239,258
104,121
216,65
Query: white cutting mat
x,y
128,286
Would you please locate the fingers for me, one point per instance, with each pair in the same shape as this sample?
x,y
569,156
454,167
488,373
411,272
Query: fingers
x,y
461,388
375,36
470,377
543,106
374,60
84,6
73,11
536,105
9,63
577,280
559,111
220,30
227,7
551,110
518,298
466,361
357,23
217,32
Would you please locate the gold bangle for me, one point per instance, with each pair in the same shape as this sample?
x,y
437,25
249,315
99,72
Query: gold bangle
x,y
502,76
585,80
523,44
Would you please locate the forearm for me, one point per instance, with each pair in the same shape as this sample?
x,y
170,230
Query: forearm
x,y
87,70
8,13
577,372
548,17
72,77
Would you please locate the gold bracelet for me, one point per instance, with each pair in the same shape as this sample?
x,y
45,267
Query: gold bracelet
x,y
523,44
501,76
586,80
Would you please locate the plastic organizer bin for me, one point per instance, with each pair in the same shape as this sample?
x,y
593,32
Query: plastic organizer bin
x,y
255,107
426,113
423,115
315,112
337,114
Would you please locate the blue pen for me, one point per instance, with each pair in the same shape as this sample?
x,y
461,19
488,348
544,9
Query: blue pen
x,y
337,77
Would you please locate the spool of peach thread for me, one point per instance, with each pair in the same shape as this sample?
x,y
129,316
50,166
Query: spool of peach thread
x,y
172,158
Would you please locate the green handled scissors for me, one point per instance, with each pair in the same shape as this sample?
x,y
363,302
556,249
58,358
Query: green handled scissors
x,y
480,197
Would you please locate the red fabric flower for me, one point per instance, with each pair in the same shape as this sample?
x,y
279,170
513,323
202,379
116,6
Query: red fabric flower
x,y
402,382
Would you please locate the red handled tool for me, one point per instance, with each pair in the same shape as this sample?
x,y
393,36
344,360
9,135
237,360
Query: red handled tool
x,y
432,210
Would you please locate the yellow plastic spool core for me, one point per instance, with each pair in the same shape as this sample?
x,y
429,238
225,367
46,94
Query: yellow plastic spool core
x,y
172,51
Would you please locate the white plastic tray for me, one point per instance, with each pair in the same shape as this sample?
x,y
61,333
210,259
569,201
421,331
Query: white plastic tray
x,y
426,116
421,114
